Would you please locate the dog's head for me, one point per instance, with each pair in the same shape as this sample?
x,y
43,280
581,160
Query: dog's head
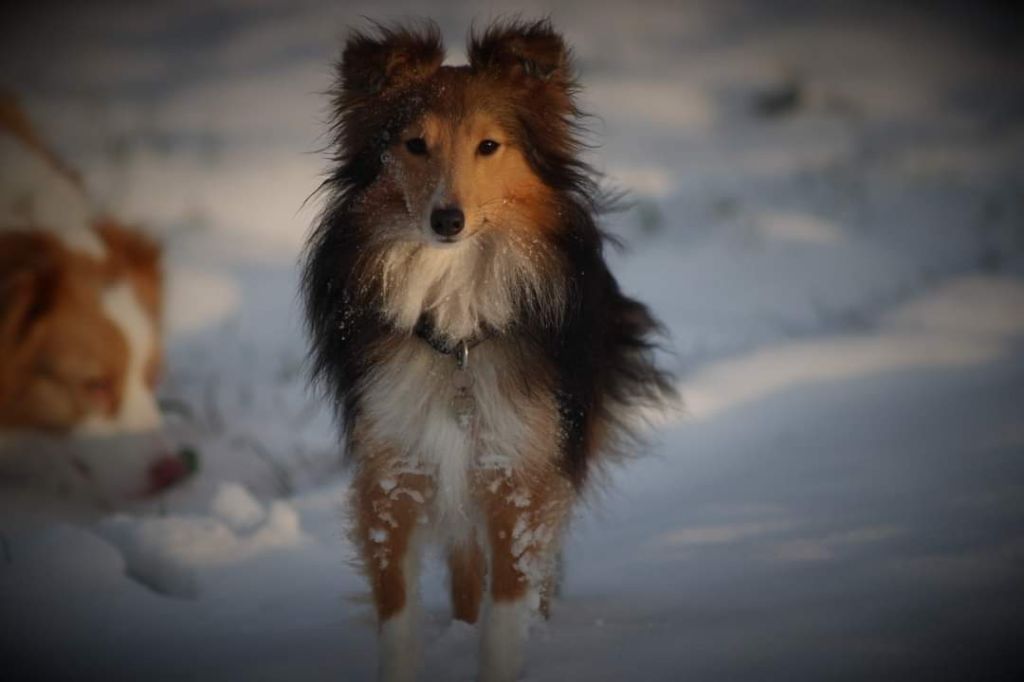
x,y
80,357
440,153
80,350
79,336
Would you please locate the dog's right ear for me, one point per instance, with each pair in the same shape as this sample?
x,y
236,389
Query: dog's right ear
x,y
389,57
137,255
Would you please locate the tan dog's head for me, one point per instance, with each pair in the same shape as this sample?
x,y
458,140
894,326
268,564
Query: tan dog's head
x,y
79,337
80,349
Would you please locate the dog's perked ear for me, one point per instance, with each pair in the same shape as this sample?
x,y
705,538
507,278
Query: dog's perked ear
x,y
531,62
530,54
375,95
390,57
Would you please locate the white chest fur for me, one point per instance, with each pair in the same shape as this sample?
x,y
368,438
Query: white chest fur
x,y
476,284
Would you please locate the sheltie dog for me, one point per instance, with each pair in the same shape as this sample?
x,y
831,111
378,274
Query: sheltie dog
x,y
480,354
80,343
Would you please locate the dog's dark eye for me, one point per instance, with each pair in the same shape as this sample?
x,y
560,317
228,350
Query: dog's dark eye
x,y
487,147
417,146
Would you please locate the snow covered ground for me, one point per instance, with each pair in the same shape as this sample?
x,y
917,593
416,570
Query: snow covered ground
x,y
829,217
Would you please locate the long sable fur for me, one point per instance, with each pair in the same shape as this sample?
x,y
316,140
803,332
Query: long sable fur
x,y
601,347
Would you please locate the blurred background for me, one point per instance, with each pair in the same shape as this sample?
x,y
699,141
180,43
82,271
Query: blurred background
x,y
827,213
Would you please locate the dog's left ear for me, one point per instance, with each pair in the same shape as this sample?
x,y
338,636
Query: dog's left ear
x,y
530,54
373,63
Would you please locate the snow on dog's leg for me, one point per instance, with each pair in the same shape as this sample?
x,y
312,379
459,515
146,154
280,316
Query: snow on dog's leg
x,y
525,519
389,510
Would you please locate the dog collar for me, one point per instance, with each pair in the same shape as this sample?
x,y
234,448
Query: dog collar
x,y
425,330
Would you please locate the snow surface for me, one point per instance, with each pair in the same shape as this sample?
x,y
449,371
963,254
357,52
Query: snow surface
x,y
842,276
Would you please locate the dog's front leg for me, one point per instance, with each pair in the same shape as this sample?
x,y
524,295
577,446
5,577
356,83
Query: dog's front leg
x,y
388,511
525,520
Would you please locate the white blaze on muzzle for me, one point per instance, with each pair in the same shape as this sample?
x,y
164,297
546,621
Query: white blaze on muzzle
x,y
138,410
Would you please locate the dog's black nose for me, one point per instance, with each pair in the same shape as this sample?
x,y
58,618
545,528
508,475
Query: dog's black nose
x,y
447,222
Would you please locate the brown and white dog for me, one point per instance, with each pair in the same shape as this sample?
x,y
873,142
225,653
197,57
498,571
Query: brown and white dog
x,y
80,351
481,355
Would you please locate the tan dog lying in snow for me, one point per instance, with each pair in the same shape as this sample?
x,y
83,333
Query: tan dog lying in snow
x,y
80,346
